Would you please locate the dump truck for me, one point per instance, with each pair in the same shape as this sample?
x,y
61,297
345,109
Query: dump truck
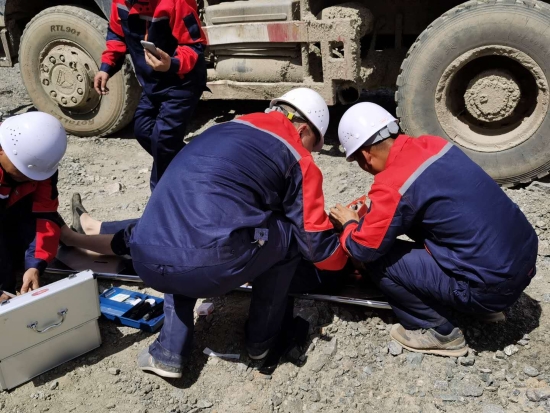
x,y
475,73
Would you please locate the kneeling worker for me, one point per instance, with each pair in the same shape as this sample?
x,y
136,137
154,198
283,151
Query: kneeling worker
x,y
243,202
31,147
474,250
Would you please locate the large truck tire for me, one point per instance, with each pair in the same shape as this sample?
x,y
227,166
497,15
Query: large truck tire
x,y
478,76
59,55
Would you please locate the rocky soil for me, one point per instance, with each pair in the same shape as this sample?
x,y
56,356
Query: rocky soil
x,y
350,363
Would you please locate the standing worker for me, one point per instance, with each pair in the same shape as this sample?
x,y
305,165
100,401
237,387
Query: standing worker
x,y
243,202
31,147
172,81
473,251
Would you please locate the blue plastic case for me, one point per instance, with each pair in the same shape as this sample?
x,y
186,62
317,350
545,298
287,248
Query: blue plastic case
x,y
116,302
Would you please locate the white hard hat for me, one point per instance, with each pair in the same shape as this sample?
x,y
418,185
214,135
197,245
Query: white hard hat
x,y
361,125
312,106
34,142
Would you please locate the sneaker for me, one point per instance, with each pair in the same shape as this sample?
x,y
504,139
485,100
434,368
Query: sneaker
x,y
78,209
147,362
430,341
491,317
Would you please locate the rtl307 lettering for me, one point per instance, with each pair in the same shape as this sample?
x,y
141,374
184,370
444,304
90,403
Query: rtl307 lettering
x,y
61,28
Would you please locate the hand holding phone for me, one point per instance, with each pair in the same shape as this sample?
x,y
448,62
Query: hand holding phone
x,y
151,48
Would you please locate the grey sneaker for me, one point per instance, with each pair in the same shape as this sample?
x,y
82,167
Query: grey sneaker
x,y
430,341
147,362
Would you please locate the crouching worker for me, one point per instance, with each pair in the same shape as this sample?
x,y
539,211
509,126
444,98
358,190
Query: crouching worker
x,y
243,202
31,147
474,250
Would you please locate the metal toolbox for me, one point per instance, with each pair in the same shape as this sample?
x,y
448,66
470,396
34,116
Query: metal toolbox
x,y
48,327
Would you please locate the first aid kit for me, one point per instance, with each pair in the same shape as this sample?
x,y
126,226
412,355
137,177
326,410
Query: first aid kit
x,y
132,309
47,327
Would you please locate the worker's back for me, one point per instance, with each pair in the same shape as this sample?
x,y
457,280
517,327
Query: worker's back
x,y
229,181
468,224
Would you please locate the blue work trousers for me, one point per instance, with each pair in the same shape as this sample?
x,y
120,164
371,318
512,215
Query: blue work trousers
x,y
161,119
423,295
270,267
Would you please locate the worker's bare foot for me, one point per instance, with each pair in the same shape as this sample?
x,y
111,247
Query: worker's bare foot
x,y
83,223
430,341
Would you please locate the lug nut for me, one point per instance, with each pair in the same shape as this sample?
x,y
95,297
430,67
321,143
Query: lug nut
x,y
52,59
45,69
80,91
46,82
79,78
62,58
64,101
73,99
53,94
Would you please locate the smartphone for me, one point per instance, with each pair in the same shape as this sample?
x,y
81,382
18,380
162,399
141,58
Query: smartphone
x,y
151,47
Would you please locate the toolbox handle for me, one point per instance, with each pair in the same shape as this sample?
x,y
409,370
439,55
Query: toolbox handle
x,y
34,326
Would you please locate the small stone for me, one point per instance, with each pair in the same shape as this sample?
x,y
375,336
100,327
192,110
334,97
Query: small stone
x,y
532,395
277,399
331,347
492,408
54,385
110,406
112,189
546,298
113,371
543,394
315,396
143,171
367,370
531,371
204,404
466,361
523,342
383,350
395,348
415,359
511,349
471,387
500,355
317,363
441,385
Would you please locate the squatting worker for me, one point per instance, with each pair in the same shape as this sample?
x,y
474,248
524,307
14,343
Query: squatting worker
x,y
243,202
31,146
172,82
474,251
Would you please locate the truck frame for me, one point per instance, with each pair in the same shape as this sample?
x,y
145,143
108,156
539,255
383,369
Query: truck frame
x,y
475,73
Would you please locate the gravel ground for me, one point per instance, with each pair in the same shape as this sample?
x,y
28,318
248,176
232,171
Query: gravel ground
x,y
351,367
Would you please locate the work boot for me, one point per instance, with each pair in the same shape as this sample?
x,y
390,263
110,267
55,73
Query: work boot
x,y
147,362
78,209
430,341
491,317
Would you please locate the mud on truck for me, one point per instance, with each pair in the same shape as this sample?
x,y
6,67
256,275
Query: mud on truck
x,y
476,72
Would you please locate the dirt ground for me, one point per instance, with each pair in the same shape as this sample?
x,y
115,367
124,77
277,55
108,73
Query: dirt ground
x,y
350,368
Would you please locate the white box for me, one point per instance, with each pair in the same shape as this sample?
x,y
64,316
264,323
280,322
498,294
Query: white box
x,y
45,328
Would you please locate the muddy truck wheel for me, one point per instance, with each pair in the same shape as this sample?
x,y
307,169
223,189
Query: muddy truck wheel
x,y
478,76
60,54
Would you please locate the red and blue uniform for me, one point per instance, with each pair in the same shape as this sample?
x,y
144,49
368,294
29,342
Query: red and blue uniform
x,y
29,226
235,187
473,249
169,98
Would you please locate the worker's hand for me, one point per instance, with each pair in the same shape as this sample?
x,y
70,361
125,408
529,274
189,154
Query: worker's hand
x,y
4,297
100,82
160,64
31,280
340,214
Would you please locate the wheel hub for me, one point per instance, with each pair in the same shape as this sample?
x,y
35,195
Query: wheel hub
x,y
66,76
492,96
